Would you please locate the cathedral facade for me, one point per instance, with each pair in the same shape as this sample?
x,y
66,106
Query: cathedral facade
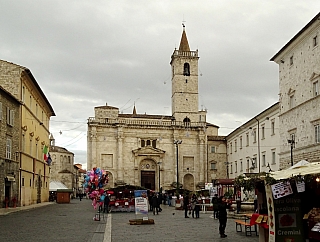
x,y
159,151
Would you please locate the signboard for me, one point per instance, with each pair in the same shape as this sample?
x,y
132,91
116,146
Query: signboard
x,y
281,189
288,219
141,201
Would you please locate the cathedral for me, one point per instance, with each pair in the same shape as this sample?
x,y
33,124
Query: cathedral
x,y
160,151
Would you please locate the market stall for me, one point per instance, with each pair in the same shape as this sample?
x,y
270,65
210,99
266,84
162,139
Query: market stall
x,y
122,198
288,203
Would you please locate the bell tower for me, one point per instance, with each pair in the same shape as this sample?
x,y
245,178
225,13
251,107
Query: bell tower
x,y
184,68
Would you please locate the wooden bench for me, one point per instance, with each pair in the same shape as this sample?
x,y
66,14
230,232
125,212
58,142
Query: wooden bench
x,y
249,229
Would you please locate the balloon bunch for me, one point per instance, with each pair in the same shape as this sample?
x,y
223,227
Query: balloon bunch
x,y
93,183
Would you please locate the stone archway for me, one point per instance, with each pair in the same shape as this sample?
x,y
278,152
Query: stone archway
x,y
148,169
188,182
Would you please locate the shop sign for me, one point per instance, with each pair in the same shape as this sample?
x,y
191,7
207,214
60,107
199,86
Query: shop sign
x,y
288,219
281,189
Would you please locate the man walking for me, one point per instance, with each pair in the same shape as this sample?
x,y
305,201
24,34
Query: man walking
x,y
214,202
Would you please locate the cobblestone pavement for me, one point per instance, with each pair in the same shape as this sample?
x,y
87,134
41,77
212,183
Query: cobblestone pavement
x,y
74,222
170,225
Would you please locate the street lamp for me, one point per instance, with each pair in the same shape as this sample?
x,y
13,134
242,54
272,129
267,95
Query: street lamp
x,y
159,163
227,165
291,142
177,143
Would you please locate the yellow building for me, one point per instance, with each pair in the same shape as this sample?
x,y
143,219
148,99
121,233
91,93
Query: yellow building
x,y
34,112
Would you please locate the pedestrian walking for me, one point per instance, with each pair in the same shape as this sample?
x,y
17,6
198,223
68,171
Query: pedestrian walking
x,y
214,202
150,201
223,205
169,199
155,204
195,206
159,196
186,205
106,203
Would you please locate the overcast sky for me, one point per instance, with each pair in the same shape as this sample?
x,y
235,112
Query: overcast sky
x,y
85,53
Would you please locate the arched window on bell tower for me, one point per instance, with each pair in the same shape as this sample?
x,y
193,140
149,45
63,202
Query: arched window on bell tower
x,y
186,122
186,69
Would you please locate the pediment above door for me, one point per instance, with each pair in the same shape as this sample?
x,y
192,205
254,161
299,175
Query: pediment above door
x,y
147,151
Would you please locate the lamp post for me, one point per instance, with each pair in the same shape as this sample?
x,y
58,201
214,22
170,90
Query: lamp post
x,y
291,142
159,163
177,143
227,165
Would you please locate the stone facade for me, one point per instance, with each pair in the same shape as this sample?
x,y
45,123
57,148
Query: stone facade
x,y
141,149
9,148
33,128
254,146
299,78
64,170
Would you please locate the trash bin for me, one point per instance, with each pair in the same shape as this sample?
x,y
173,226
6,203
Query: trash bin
x,y
173,202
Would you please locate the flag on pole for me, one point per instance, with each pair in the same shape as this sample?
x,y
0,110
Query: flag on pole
x,y
45,153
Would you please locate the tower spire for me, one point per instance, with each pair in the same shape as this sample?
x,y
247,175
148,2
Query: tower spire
x,y
184,45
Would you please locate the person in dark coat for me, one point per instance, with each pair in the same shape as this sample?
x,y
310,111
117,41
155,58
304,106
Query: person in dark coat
x,y
150,201
106,203
155,204
159,196
186,202
223,205
214,202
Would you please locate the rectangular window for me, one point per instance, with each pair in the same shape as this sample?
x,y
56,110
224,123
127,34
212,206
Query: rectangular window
x,y
154,143
0,111
8,148
241,166
291,60
273,157
248,165
23,94
10,116
240,142
291,101
264,159
231,169
254,136
30,183
22,182
213,166
272,127
230,148
235,167
213,149
317,133
315,88
262,133
315,41
247,139
235,146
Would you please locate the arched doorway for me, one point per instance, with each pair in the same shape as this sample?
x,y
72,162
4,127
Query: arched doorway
x,y
148,174
188,182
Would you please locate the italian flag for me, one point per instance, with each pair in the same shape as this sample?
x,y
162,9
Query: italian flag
x,y
45,152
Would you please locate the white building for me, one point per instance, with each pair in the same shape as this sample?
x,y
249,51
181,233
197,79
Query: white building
x,y
146,150
299,100
254,146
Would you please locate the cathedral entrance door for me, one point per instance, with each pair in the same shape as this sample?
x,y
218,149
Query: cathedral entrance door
x,y
148,179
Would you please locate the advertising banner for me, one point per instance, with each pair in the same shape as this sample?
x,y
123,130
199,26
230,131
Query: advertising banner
x,y
288,219
141,202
